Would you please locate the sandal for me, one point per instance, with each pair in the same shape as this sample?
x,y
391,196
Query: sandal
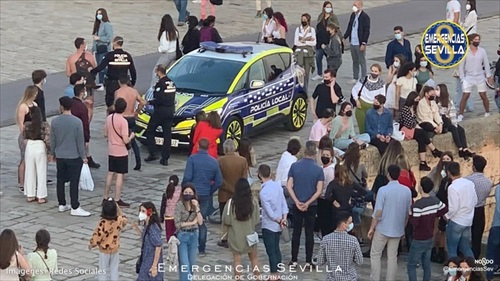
x,y
31,199
21,189
42,201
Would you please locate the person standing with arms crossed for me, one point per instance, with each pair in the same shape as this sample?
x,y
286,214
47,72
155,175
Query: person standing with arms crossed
x,y
164,108
118,62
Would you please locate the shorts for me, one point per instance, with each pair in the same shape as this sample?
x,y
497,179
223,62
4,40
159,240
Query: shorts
x,y
468,87
118,164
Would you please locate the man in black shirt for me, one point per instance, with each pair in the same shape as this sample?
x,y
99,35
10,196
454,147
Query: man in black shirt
x,y
118,62
326,93
39,78
164,108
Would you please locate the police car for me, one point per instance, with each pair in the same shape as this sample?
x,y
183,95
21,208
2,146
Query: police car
x,y
250,85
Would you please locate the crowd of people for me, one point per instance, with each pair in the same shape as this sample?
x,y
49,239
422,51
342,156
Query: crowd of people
x,y
320,186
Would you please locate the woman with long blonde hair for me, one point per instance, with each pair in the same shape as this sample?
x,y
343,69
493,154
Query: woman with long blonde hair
x,y
23,115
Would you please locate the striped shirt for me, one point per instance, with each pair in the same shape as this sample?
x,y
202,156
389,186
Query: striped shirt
x,y
423,216
482,185
341,253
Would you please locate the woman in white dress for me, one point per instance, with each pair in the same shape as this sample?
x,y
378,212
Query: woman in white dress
x,y
392,76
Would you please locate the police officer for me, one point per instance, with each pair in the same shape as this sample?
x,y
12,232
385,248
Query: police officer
x,y
163,115
118,62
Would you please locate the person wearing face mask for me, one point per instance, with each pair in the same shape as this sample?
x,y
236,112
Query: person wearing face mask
x,y
423,215
81,111
343,132
118,62
341,249
279,33
333,50
326,95
405,83
424,73
390,80
379,125
148,265
168,37
451,270
323,36
187,219
304,43
428,116
364,92
409,125
325,219
322,126
389,219
358,32
258,5
398,46
103,35
470,21
469,267
474,72
274,217
268,25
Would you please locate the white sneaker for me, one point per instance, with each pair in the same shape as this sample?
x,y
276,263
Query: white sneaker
x,y
64,208
486,114
196,1
100,89
316,78
460,117
79,212
353,81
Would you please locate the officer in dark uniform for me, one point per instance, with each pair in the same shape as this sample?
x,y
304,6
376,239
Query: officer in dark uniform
x,y
118,62
163,115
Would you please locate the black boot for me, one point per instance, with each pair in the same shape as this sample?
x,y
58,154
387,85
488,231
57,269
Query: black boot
x,y
92,164
437,153
424,166
433,255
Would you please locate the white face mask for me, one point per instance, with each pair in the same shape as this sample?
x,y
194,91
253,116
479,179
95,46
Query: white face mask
x,y
44,81
396,64
443,173
355,9
467,7
85,95
423,64
142,216
328,10
86,47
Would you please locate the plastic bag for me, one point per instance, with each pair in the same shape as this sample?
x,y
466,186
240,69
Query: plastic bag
x,y
86,181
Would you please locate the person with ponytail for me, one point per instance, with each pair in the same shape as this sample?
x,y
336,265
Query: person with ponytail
x,y
168,203
43,260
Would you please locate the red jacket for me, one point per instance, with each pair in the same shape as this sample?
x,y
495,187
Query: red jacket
x,y
205,131
407,178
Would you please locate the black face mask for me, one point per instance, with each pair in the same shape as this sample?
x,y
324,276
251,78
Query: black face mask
x,y
415,103
432,98
327,82
325,160
304,23
377,106
187,197
475,44
348,113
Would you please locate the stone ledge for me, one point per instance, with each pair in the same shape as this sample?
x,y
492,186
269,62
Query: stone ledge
x,y
480,132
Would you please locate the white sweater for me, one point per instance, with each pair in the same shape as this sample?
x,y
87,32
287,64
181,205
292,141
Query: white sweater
x,y
167,46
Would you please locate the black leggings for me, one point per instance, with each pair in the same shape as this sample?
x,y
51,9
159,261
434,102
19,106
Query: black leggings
x,y
422,139
457,132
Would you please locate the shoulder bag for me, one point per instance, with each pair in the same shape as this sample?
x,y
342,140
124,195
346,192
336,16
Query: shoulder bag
x,y
139,260
352,100
127,145
46,266
253,238
22,276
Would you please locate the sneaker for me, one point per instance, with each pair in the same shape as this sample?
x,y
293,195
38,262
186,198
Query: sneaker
x,y
100,89
164,162
181,23
353,81
460,117
64,208
79,212
316,78
202,254
293,264
122,204
486,114
196,1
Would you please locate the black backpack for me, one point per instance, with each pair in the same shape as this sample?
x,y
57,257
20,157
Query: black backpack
x,y
82,67
216,2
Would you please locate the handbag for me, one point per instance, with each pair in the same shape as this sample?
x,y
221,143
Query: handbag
x,y
48,270
409,133
127,145
138,263
358,201
252,239
352,100
178,51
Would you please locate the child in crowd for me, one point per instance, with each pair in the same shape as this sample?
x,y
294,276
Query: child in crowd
x,y
168,203
200,116
106,236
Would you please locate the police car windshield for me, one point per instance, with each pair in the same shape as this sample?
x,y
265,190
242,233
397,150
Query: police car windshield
x,y
204,75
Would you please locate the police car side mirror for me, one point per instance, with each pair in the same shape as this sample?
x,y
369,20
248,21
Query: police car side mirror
x,y
256,84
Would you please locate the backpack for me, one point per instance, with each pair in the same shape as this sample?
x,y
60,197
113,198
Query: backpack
x,y
206,34
82,67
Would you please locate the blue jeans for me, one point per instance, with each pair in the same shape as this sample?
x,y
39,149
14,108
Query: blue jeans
x,y
319,61
187,253
420,251
206,207
272,243
181,6
458,97
99,57
493,249
458,237
344,143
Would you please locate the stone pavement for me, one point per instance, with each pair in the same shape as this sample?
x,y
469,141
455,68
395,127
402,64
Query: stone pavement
x,y
70,235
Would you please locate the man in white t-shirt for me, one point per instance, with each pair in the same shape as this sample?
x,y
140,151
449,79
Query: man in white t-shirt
x,y
453,11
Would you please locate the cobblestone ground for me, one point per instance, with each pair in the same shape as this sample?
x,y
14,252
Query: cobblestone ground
x,y
70,235
60,22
